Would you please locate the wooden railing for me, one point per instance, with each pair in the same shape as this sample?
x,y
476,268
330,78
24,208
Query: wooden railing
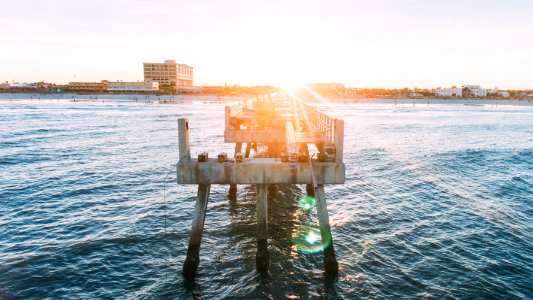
x,y
323,122
238,108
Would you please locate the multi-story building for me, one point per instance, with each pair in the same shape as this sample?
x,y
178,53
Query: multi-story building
x,y
121,86
169,73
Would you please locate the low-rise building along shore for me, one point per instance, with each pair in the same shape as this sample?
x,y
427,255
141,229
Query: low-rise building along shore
x,y
93,87
133,87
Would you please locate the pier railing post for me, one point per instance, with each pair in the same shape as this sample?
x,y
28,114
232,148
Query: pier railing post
x,y
339,140
184,142
193,252
227,117
330,262
262,227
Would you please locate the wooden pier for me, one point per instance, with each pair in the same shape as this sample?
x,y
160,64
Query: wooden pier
x,y
285,128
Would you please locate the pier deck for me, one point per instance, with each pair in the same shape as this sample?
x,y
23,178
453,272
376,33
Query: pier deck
x,y
286,128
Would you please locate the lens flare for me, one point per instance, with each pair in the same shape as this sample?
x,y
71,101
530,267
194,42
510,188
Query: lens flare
x,y
309,240
307,203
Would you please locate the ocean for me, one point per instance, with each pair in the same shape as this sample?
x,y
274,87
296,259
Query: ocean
x,y
438,203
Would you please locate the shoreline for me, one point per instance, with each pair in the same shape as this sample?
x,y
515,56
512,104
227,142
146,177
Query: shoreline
x,y
176,99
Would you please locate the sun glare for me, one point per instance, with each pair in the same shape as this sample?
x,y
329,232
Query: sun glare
x,y
293,87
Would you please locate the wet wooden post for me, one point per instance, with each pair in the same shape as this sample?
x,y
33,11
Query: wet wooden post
x,y
310,191
262,227
247,151
330,262
233,187
193,252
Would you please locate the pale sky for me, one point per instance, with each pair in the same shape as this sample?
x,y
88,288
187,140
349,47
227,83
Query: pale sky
x,y
373,43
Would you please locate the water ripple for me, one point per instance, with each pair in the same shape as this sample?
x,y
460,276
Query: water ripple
x,y
437,204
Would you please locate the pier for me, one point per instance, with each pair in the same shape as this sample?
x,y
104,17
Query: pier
x,y
285,129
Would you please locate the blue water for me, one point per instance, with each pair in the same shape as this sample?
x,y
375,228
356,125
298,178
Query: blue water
x,y
437,204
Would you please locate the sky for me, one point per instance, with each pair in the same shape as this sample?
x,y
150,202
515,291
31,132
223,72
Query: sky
x,y
373,43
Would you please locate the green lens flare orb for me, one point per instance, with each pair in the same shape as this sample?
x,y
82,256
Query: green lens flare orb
x,y
307,203
309,240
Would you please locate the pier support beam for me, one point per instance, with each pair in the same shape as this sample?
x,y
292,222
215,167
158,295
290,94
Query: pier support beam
x,y
248,148
232,192
238,147
330,262
233,187
193,252
309,190
262,227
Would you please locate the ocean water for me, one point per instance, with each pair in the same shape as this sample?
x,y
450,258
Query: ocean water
x,y
438,203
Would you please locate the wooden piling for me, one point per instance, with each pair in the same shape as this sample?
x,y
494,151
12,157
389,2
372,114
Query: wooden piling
x,y
262,227
232,194
310,190
238,147
193,252
247,151
330,262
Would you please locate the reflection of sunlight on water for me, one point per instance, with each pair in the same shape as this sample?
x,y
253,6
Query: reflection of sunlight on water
x,y
366,245
308,239
307,203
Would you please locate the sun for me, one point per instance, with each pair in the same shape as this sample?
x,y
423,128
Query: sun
x,y
292,87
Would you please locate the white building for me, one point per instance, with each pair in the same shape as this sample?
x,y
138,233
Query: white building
x,y
504,94
121,86
496,92
474,91
449,92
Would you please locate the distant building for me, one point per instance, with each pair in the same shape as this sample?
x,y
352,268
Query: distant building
x,y
449,92
142,87
496,92
215,89
22,87
504,94
474,91
169,73
95,87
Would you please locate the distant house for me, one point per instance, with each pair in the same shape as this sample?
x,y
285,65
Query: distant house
x,y
449,92
495,92
22,87
474,91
